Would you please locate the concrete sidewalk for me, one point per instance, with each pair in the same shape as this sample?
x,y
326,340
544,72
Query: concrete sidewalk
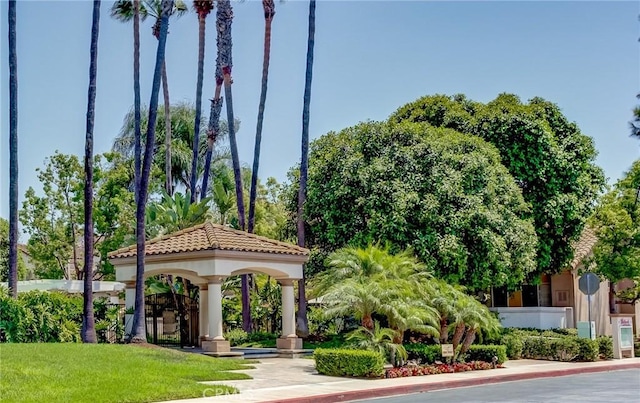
x,y
295,380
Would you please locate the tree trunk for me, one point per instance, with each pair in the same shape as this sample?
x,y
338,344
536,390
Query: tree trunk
x,y
167,131
139,324
269,12
367,321
469,338
202,24
444,330
302,321
136,97
88,333
212,130
13,153
457,335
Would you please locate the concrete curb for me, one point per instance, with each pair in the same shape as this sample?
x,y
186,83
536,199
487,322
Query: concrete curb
x,y
426,387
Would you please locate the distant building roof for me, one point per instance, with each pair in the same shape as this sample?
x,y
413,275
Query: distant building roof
x,y
210,236
70,286
583,247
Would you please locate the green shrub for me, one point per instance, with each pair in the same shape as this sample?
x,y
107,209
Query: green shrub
x,y
605,347
513,344
589,350
236,336
343,362
40,317
479,352
424,353
561,348
566,331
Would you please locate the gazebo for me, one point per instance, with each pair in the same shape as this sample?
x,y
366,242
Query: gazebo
x,y
205,255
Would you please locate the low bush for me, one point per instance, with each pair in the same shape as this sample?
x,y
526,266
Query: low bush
x,y
567,348
424,353
486,353
236,336
354,363
605,347
514,344
40,317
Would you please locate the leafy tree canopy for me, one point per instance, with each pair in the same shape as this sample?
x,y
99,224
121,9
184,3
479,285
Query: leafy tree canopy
x,y
551,160
4,254
444,194
616,222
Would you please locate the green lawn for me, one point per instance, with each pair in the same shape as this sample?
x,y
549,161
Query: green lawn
x,y
72,372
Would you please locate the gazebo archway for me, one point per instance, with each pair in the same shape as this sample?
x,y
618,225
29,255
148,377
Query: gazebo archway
x,y
207,254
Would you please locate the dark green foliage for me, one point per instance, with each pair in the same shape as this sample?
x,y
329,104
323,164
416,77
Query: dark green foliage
x,y
354,363
442,193
486,353
567,348
550,159
40,317
425,353
514,345
605,347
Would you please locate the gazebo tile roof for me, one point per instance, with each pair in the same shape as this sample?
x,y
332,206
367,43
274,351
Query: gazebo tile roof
x,y
210,236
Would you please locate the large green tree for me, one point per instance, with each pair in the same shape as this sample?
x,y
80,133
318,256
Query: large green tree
x,y
616,223
4,254
442,193
54,219
550,159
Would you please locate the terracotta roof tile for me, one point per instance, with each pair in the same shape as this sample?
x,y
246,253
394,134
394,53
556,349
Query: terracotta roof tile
x,y
210,236
582,248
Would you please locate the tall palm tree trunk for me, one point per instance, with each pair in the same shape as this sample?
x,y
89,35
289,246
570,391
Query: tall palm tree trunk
x,y
224,20
13,153
139,328
203,11
88,333
301,317
269,13
167,131
136,98
213,129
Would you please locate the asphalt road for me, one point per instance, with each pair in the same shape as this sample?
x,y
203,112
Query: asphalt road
x,y
602,387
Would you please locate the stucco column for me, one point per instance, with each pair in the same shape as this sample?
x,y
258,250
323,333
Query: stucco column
x,y
288,309
203,310
129,303
215,308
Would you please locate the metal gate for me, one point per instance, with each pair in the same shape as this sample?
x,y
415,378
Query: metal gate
x,y
172,320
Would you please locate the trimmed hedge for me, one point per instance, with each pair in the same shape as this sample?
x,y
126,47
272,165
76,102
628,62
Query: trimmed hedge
x,y
486,353
424,353
344,362
567,348
514,346
605,347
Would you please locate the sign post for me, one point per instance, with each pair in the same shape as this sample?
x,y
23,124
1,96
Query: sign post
x,y
589,284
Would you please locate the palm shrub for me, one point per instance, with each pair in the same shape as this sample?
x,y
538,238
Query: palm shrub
x,y
380,340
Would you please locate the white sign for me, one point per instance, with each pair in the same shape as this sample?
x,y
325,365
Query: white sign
x,y
622,337
447,350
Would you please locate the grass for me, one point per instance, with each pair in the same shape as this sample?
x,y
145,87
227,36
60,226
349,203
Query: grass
x,y
73,372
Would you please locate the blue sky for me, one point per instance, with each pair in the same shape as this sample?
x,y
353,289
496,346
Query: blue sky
x,y
371,57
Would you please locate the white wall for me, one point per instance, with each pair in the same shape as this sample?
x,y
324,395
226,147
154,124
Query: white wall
x,y
536,317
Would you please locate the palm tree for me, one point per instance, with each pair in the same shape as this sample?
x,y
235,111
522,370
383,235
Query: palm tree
x,y
13,153
139,328
381,340
88,333
301,317
203,8
182,116
269,12
479,319
123,10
